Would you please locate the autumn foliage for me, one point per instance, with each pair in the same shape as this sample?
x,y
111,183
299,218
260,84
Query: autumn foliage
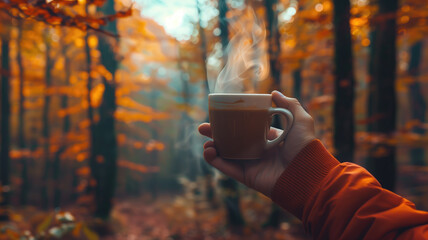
x,y
101,100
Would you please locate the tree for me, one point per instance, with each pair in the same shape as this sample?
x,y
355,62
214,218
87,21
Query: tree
x,y
5,124
104,165
382,103
45,120
417,101
344,83
21,135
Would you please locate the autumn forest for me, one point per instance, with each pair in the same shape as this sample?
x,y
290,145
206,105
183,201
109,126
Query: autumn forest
x,y
101,99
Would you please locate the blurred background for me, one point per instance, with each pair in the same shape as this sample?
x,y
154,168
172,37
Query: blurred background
x,y
100,101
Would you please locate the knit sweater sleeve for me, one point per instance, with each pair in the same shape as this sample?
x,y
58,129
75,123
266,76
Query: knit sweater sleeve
x,y
344,201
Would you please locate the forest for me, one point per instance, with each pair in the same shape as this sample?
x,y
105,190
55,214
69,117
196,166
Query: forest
x,y
101,99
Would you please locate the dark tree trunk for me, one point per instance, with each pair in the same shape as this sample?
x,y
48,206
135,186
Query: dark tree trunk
x,y
344,83
45,123
274,48
417,101
5,130
229,186
89,83
56,167
297,88
104,165
273,38
382,97
21,114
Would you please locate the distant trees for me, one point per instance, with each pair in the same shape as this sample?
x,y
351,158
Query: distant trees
x,y
382,102
5,71
417,101
344,141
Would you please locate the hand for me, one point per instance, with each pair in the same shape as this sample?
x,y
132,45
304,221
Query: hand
x,y
262,174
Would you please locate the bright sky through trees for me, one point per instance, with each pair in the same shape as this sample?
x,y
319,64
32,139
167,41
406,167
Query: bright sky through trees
x,y
178,17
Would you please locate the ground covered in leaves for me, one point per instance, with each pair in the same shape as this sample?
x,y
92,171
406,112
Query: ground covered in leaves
x,y
146,218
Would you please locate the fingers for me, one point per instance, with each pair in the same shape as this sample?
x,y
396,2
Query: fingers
x,y
228,167
231,168
274,133
291,104
205,129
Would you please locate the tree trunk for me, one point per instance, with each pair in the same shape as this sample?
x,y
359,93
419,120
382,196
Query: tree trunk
x,y
273,37
104,165
21,111
5,130
45,123
89,83
344,83
229,186
56,167
275,71
417,101
297,88
382,97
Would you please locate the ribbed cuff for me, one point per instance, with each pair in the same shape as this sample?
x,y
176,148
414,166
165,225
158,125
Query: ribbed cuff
x,y
302,177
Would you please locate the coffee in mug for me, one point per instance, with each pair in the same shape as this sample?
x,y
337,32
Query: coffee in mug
x,y
240,124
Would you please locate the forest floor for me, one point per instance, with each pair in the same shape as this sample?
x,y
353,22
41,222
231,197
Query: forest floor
x,y
158,221
143,218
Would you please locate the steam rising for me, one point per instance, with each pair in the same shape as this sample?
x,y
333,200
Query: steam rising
x,y
247,61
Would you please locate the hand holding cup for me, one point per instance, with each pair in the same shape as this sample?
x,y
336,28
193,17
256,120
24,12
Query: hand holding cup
x,y
261,174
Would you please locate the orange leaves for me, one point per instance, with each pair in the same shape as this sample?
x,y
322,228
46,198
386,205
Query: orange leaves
x,y
137,167
83,171
143,114
155,145
61,12
129,117
320,102
152,145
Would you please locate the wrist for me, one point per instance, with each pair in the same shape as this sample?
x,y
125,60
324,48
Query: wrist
x,y
302,177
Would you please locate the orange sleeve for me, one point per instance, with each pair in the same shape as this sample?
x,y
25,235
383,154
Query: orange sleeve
x,y
343,201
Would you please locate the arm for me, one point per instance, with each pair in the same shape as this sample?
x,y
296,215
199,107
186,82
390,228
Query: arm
x,y
343,201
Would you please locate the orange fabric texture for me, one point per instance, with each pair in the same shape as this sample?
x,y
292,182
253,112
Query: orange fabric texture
x,y
344,201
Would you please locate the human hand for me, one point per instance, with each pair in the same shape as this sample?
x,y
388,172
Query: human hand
x,y
263,173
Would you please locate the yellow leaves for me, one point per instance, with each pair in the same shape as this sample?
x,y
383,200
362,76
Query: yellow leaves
x,y
137,167
358,22
291,43
129,103
104,72
96,95
92,41
79,42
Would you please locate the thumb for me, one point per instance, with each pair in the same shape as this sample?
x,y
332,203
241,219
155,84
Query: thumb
x,y
292,104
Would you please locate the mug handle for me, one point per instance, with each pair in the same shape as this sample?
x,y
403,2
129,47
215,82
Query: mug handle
x,y
285,114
